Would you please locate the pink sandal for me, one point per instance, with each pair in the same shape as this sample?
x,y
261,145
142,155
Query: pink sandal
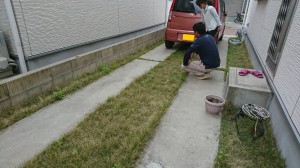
x,y
243,72
257,73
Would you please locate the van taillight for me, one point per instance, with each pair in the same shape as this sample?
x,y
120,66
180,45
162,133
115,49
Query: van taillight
x,y
171,9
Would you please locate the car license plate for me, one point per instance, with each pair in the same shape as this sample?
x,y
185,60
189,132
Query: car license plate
x,y
188,37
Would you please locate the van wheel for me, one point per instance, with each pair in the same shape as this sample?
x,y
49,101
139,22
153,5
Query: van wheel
x,y
169,44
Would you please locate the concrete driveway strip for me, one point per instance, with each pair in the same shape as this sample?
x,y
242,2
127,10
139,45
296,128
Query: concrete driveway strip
x,y
188,136
31,135
223,48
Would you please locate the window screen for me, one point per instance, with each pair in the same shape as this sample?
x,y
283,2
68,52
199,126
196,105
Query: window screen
x,y
279,33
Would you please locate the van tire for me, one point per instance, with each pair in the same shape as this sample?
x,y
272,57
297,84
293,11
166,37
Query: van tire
x,y
169,44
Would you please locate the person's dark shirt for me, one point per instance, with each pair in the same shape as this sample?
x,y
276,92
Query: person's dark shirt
x,y
205,46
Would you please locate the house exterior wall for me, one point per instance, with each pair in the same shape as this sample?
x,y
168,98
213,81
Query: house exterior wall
x,y
49,26
5,28
260,32
287,77
232,6
285,106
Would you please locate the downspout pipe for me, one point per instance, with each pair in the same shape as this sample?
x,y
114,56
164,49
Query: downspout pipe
x,y
16,36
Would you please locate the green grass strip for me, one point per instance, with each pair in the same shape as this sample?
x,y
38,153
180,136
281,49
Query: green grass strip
x,y
10,116
232,151
116,133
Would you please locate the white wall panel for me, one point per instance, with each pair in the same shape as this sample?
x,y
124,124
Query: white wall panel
x,y
55,24
5,28
296,116
159,6
135,14
51,25
262,18
287,78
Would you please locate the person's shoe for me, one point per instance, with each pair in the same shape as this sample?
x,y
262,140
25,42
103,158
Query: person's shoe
x,y
205,76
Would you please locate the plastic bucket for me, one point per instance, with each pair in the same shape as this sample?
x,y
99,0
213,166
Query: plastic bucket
x,y
214,104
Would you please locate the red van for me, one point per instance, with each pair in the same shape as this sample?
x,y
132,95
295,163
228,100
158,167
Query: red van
x,y
183,15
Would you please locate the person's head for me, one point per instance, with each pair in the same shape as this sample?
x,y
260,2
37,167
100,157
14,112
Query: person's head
x,y
201,3
199,28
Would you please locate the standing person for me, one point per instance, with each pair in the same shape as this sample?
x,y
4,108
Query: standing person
x,y
211,17
205,46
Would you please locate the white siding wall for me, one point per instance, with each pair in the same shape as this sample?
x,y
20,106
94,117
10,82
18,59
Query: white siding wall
x,y
5,28
287,77
55,24
296,116
262,17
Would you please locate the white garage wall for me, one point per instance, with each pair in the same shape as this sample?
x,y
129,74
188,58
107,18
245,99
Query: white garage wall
x,y
50,25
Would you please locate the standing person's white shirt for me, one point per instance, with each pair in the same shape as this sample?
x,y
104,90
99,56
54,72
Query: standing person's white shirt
x,y
211,18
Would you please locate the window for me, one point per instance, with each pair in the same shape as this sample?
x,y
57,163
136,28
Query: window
x,y
279,33
187,6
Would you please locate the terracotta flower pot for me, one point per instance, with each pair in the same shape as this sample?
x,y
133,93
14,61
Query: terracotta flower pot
x,y
214,104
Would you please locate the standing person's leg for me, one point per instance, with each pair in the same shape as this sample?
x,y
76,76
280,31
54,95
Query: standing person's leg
x,y
213,32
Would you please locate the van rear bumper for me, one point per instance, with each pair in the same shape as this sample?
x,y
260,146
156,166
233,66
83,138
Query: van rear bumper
x,y
176,35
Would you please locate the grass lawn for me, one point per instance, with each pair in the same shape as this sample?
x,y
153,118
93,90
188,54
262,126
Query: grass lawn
x,y
13,115
234,152
116,133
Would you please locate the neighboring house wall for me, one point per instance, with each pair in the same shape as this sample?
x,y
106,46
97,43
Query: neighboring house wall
x,y
233,6
285,81
5,28
49,26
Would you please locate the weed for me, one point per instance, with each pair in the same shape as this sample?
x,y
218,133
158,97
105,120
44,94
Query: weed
x,y
58,94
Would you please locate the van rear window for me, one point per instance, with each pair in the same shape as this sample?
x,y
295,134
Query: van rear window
x,y
187,6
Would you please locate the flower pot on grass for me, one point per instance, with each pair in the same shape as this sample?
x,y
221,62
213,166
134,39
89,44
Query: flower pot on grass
x,y
214,104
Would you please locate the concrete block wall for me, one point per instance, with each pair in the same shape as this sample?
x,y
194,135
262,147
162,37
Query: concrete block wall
x,y
17,90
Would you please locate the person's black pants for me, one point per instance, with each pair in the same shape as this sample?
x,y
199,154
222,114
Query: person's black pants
x,y
213,32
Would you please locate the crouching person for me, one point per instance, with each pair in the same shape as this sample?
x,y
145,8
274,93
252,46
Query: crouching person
x,y
205,46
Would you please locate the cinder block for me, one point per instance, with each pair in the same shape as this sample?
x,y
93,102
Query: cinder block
x,y
36,78
94,67
46,87
19,99
16,86
33,92
117,49
4,94
247,89
109,60
139,40
107,52
145,38
40,89
80,61
93,56
5,104
61,68
82,71
97,55
125,46
99,63
63,80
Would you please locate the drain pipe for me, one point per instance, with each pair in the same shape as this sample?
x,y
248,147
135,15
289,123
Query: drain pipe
x,y
15,32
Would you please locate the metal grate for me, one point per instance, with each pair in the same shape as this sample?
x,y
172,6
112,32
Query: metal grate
x,y
279,33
